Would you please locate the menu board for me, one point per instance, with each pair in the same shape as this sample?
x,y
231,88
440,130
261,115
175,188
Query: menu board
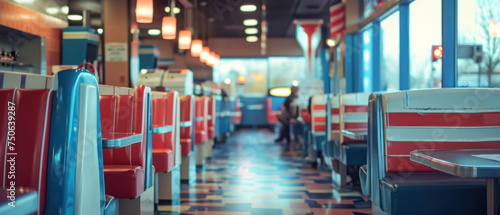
x,y
308,88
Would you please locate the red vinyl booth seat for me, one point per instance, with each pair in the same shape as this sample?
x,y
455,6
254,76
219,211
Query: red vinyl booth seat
x,y
32,126
164,114
186,104
201,106
124,110
237,118
272,116
211,121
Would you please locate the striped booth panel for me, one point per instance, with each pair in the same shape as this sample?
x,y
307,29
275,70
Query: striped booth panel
x,y
354,113
438,119
25,81
334,118
318,114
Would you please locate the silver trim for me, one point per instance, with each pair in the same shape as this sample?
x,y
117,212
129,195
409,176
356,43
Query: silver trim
x,y
121,142
186,124
460,162
356,134
162,130
199,119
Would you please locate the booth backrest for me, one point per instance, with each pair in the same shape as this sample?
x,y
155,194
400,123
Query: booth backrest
x,y
318,114
201,110
271,115
334,118
438,119
165,107
187,103
211,111
47,140
353,113
129,114
237,118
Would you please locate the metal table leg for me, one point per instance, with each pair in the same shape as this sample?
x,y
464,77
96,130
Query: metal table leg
x,y
492,196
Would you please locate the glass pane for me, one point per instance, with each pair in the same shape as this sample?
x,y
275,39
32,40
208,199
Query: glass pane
x,y
478,35
254,69
389,71
425,32
367,61
284,70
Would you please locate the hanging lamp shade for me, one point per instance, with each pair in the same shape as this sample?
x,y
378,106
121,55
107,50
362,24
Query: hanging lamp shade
x,y
168,27
211,59
144,11
196,48
184,39
205,53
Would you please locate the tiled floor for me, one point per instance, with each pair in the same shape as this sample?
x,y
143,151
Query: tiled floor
x,y
250,174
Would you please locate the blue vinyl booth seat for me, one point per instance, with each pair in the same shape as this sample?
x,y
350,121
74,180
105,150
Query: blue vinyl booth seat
x,y
71,179
401,122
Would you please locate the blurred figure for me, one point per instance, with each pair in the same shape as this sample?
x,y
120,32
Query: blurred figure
x,y
288,115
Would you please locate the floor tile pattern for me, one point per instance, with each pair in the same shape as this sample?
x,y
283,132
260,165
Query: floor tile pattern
x,y
251,175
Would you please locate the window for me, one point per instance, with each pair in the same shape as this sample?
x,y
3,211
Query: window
x,y
254,69
478,31
284,70
366,70
389,67
425,32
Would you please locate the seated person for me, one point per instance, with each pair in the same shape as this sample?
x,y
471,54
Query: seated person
x,y
288,115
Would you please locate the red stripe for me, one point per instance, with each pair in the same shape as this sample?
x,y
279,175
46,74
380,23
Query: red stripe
x,y
356,108
335,126
336,11
404,148
334,111
319,107
332,34
355,125
337,22
319,119
319,128
405,165
444,119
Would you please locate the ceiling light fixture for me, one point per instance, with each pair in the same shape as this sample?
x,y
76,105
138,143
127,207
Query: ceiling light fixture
x,y
251,31
176,10
52,10
196,48
169,27
184,39
144,11
75,17
100,31
250,22
248,8
252,39
154,32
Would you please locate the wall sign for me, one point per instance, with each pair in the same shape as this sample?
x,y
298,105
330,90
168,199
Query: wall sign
x,y
116,52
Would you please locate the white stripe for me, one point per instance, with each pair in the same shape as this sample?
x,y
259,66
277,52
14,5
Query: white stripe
x,y
337,27
355,99
318,113
449,100
80,35
335,118
445,134
149,51
355,117
337,17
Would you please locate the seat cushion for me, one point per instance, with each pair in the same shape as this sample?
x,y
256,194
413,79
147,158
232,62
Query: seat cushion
x,y
124,181
432,193
186,146
163,159
211,132
200,137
